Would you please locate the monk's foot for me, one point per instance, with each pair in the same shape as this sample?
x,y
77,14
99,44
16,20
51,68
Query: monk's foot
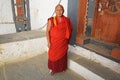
x,y
52,73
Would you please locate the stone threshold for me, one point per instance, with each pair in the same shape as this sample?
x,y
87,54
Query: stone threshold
x,y
91,55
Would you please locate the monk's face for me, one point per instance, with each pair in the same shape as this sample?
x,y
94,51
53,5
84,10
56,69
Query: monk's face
x,y
59,11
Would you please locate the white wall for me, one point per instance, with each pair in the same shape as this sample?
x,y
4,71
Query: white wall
x,y
20,50
41,10
6,18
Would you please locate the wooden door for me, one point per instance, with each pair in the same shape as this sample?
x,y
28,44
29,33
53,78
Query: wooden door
x,y
106,25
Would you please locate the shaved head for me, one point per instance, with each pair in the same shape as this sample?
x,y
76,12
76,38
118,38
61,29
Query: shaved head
x,y
59,5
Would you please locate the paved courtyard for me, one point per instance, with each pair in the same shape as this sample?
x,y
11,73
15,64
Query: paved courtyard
x,y
33,69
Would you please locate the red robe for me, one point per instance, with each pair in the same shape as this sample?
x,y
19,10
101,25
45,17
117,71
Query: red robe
x,y
60,33
59,38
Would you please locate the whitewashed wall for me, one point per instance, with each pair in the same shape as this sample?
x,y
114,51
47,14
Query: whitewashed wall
x,y
6,18
40,11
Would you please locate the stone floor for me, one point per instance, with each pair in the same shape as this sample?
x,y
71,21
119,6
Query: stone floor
x,y
33,69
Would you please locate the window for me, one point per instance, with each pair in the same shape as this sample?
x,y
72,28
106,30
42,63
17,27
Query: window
x,y
21,15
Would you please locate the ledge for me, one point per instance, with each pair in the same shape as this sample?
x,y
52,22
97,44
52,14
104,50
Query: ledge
x,y
22,45
26,35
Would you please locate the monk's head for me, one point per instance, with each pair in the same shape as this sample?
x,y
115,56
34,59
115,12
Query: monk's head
x,y
59,10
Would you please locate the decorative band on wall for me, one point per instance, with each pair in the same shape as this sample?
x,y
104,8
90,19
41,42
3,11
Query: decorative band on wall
x,y
7,23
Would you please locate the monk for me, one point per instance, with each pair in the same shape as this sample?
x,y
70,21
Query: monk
x,y
58,33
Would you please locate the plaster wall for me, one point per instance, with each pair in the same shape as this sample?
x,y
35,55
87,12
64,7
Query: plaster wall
x,y
7,25
40,11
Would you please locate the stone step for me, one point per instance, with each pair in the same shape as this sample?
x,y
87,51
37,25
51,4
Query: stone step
x,y
101,50
91,70
98,49
107,45
88,54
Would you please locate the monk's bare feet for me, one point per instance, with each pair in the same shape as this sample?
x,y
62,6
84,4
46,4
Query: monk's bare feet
x,y
52,73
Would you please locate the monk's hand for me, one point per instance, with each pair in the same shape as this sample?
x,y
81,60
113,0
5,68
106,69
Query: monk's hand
x,y
48,45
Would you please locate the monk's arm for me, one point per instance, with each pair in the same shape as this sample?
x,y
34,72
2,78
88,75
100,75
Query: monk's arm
x,y
48,33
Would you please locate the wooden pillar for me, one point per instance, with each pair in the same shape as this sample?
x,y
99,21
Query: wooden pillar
x,y
82,13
